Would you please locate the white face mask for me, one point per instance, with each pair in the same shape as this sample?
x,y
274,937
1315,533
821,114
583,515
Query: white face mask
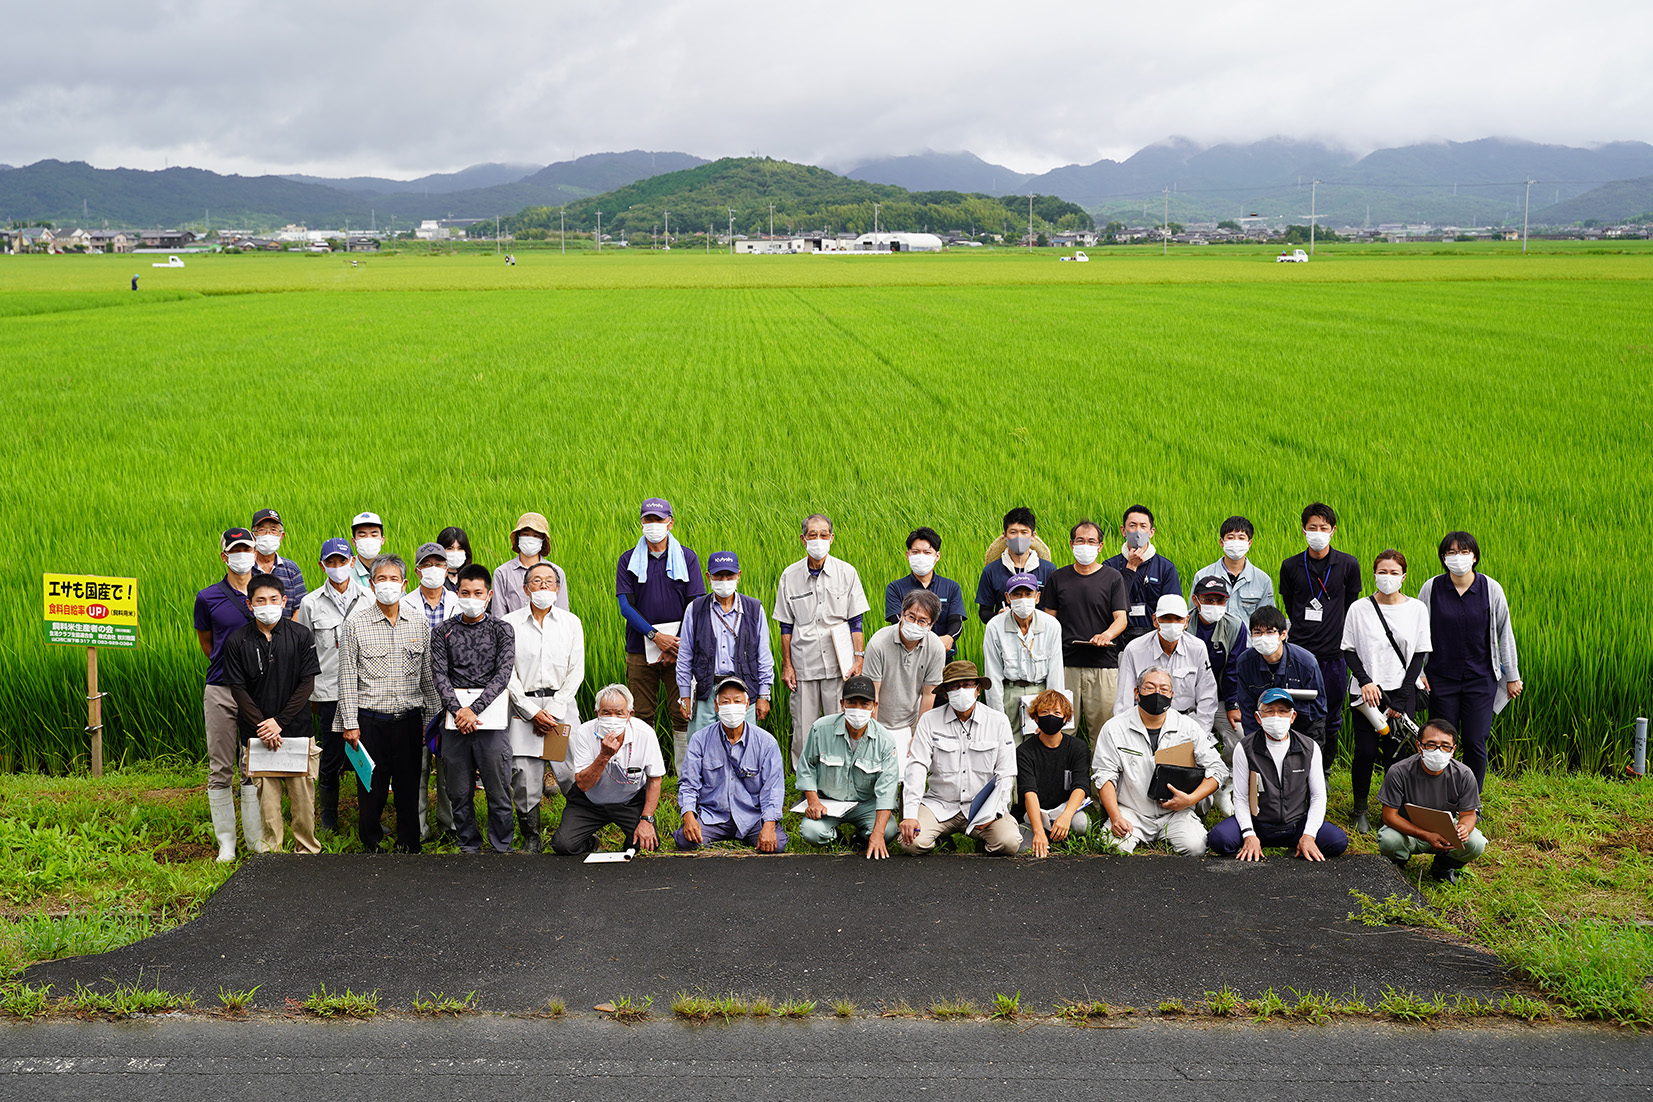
x,y
1436,760
731,715
857,718
267,544
724,588
239,562
530,545
369,546
1317,541
339,574
912,632
1276,727
921,564
543,599
433,577
456,559
1085,553
1022,607
817,549
1389,583
472,607
1460,564
387,593
962,700
1266,645
1172,632
1212,613
266,614
609,725
1235,550
654,531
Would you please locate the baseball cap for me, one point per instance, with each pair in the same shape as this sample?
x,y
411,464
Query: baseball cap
x,y
1023,580
858,687
723,562
657,506
335,546
1171,604
430,550
727,680
1276,696
1211,585
363,519
534,521
233,536
266,514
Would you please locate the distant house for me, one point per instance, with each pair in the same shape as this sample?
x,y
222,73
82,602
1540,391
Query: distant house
x,y
113,241
1084,239
362,243
166,239
35,239
899,242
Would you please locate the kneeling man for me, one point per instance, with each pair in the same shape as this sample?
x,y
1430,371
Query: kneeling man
x,y
617,766
1291,791
1432,778
733,780
850,757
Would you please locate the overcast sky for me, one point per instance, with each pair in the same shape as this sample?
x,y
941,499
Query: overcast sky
x,y
348,87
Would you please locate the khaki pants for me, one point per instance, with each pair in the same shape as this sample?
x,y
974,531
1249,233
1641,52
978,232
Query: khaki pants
x,y
224,746
999,836
813,700
647,680
1013,693
301,797
1093,692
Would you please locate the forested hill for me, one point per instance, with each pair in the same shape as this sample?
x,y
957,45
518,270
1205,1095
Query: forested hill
x,y
805,198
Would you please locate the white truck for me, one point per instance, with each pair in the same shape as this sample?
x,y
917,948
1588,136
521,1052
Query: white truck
x,y
1296,256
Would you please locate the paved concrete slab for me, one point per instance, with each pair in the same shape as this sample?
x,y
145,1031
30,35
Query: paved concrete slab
x,y
519,929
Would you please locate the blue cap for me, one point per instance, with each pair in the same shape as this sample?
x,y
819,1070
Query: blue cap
x,y
1276,696
335,546
724,562
657,506
1023,580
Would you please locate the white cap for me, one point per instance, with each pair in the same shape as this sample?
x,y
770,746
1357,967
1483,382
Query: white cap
x,y
366,518
1171,604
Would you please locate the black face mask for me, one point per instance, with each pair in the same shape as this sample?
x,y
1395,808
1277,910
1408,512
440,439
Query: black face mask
x,y
1154,704
1051,724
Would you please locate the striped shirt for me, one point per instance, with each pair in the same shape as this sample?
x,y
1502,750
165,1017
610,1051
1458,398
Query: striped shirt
x,y
287,572
384,667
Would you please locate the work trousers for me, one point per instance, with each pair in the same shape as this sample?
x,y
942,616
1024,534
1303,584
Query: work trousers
x,y
1334,675
393,742
301,798
527,791
998,837
333,762
1182,829
224,746
1225,838
484,755
815,698
726,832
1081,824
1401,848
648,682
1093,690
431,763
582,819
1467,705
1013,693
863,817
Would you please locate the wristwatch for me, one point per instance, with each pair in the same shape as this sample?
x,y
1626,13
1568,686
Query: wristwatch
x,y
649,819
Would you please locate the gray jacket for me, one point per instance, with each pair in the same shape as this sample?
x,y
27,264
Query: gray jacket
x,y
1506,665
321,615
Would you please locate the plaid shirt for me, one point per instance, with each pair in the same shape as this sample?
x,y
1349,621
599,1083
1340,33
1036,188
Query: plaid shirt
x,y
384,667
292,581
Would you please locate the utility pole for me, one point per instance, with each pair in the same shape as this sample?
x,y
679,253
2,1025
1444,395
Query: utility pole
x,y
771,219
1030,224
668,218
708,239
875,226
1165,229
599,231
1526,211
1314,186
496,236
731,231
562,228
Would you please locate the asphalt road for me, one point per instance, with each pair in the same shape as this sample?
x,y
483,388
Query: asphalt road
x,y
519,929
497,1057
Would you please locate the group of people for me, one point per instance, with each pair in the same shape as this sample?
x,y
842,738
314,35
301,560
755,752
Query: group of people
x,y
1101,689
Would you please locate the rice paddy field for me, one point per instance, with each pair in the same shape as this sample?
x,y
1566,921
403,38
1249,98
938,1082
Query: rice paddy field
x,y
1416,391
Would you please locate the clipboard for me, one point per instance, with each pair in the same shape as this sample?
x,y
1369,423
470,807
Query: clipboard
x,y
494,717
292,760
981,806
362,762
1433,820
651,653
555,746
1256,790
844,645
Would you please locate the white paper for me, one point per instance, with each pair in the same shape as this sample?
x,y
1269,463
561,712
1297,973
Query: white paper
x,y
651,653
1030,727
844,644
495,717
836,808
293,757
610,858
903,737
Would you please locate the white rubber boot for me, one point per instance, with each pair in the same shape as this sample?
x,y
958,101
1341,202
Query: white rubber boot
x,y
221,801
252,819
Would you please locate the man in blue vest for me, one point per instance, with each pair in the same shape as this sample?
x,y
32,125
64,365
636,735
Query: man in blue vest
x,y
724,633
1291,791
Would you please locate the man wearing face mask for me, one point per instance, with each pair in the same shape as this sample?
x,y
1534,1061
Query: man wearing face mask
x,y
850,757
220,611
723,634
324,611
529,539
734,781
923,554
367,532
617,765
654,583
1089,600
267,536
1273,663
1021,652
1050,775
1318,586
1122,770
550,666
957,750
1249,588
1431,778
437,604
905,664
815,596
1291,792
270,667
1193,685
1020,556
476,651
1148,575
1224,639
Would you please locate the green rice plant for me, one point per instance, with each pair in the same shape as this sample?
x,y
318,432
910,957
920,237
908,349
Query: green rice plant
x,y
1409,1006
439,1004
1223,1004
1006,1008
236,1002
796,1008
956,1007
21,1000
325,1004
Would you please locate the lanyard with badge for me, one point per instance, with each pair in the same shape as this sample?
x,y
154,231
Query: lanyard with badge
x,y
1316,612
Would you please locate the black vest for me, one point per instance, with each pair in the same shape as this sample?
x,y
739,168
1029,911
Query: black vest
x,y
704,644
1282,799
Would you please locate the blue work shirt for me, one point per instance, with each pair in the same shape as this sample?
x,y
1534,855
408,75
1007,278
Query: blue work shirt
x,y
221,609
742,782
946,590
990,595
1297,669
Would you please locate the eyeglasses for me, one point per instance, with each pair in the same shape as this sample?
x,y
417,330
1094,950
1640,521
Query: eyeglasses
x,y
1436,745
917,620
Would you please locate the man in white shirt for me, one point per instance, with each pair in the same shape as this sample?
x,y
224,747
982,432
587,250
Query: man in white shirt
x,y
957,751
1193,685
437,604
617,766
324,611
1291,791
815,597
1021,652
550,645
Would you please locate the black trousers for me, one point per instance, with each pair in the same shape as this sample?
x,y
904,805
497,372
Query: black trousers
x,y
333,761
582,819
395,744
1467,705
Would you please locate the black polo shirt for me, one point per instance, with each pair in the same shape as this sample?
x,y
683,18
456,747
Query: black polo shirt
x,y
270,672
1323,588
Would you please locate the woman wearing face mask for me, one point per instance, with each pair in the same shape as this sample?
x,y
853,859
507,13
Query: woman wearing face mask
x,y
1473,671
1051,772
1385,642
529,540
456,549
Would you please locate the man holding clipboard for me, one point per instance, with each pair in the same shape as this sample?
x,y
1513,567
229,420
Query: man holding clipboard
x,y
1430,805
472,657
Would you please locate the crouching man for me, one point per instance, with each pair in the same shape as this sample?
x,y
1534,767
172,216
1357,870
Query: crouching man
x,y
850,757
957,750
1291,791
1432,778
617,764
733,780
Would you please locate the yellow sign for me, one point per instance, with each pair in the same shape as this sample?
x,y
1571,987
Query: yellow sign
x,y
85,611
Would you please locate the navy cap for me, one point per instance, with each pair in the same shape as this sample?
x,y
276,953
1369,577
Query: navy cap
x,y
1276,696
1211,585
723,562
1023,580
233,536
266,514
335,546
657,506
